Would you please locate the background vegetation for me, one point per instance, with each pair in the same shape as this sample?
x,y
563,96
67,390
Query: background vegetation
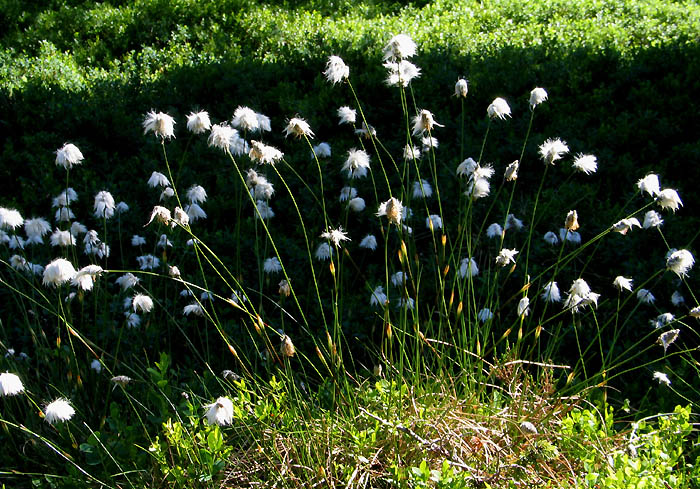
x,y
624,84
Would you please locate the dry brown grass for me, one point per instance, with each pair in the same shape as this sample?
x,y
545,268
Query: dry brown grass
x,y
486,442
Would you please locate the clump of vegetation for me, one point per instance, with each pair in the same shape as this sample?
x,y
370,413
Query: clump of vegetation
x,y
371,311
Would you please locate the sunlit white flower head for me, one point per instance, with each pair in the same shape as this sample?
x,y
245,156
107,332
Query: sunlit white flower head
x,y
461,88
142,303
571,222
378,297
221,136
680,262
127,281
336,70
68,155
357,164
246,119
623,283
157,179
468,268
511,173
422,188
120,380
513,222
484,315
575,302
400,46
669,199
494,230
524,307
148,262
85,277
272,265
369,242
174,271
198,122
347,115
263,153
357,204
59,410
537,96
401,73
160,214
161,124
662,378
585,163
10,385
58,272
324,251
624,225
677,298
104,205
478,188
10,218
335,236
695,312
392,209
499,108
580,288
645,296
552,150
424,121
298,127
506,256
551,292
180,217
649,184
652,219
220,412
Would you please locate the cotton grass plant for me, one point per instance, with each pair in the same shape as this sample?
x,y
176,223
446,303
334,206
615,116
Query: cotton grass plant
x,y
406,293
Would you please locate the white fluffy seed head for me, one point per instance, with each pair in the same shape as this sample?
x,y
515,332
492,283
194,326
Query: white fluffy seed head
x,y
58,410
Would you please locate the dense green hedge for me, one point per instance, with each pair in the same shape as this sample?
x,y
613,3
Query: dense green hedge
x,y
622,75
